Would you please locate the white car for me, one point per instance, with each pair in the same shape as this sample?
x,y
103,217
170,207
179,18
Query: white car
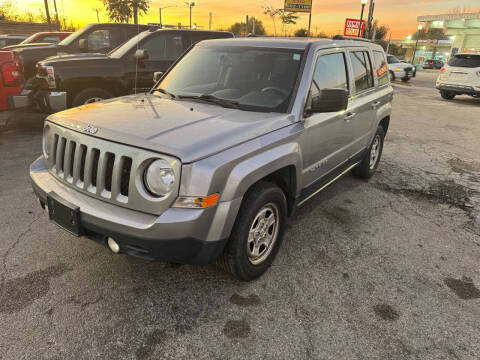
x,y
400,70
460,76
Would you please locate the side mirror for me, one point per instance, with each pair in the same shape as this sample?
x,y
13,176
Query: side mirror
x,y
157,76
329,100
83,45
141,54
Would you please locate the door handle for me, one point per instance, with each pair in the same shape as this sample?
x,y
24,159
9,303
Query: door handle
x,y
349,116
375,104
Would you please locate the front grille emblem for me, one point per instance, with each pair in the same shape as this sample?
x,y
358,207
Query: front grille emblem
x,y
90,129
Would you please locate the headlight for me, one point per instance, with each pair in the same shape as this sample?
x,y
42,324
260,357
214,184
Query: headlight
x,y
159,178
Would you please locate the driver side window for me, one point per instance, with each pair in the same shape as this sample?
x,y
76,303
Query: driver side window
x,y
330,73
164,47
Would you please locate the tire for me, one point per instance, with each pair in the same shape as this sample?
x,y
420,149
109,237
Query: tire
x,y
405,79
447,95
261,202
90,95
391,76
366,169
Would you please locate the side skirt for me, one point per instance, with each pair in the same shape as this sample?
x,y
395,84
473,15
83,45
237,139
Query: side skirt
x,y
315,188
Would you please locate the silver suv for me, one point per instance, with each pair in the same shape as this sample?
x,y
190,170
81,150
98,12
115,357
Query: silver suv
x,y
211,162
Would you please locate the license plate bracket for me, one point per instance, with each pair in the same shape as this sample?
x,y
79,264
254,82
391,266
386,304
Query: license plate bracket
x,y
64,214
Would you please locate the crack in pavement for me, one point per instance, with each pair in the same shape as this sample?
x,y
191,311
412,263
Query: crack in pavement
x,y
12,247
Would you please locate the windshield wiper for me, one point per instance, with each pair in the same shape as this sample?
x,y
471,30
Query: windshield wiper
x,y
163,91
213,99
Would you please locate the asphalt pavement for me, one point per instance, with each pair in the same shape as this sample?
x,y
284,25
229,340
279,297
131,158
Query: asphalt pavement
x,y
385,269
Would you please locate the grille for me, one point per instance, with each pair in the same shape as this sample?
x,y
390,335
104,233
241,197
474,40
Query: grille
x,y
103,169
91,169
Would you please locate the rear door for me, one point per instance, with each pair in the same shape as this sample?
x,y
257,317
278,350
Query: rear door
x,y
463,70
163,48
364,98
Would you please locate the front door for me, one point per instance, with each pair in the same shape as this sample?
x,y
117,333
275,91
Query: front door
x,y
329,134
163,49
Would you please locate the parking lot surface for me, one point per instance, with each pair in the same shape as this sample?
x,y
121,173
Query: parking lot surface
x,y
385,269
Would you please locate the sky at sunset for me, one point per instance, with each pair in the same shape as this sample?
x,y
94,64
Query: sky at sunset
x,y
328,15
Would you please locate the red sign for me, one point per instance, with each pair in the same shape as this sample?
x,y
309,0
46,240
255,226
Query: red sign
x,y
351,27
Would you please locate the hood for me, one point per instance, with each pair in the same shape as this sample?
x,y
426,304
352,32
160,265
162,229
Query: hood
x,y
70,57
401,65
189,130
32,46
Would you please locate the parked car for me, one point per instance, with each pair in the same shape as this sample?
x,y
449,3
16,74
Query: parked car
x,y
236,135
460,76
10,77
400,70
432,64
41,37
93,38
6,40
73,80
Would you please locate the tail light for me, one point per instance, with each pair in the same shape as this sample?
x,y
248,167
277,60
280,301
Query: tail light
x,y
442,69
11,74
478,73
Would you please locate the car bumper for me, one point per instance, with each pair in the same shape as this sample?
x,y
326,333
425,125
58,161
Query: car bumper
x,y
404,74
459,89
191,236
51,101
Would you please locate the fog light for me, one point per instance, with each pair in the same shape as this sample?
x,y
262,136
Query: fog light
x,y
112,244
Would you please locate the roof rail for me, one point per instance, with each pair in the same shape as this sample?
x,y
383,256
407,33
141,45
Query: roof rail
x,y
342,37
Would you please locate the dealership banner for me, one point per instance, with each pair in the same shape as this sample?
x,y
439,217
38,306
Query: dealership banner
x,y
298,6
351,27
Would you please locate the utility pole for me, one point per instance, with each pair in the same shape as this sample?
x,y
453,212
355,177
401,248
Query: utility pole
x,y
253,26
246,26
370,15
309,20
56,14
48,13
210,15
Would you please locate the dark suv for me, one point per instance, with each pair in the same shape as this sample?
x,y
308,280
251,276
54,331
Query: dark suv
x,y
77,79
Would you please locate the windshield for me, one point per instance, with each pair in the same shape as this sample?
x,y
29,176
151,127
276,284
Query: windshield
x,y
28,39
392,59
464,60
256,79
71,38
121,50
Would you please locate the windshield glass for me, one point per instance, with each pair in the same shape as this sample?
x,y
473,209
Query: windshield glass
x,y
256,79
464,60
28,39
392,59
71,38
121,50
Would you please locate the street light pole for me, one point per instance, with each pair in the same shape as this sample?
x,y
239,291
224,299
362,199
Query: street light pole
x,y
160,12
416,43
190,5
364,2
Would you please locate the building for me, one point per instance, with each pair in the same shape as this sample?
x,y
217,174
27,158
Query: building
x,y
463,29
23,28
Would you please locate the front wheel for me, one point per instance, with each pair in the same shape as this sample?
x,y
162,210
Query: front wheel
x,y
447,95
370,162
90,95
257,233
391,75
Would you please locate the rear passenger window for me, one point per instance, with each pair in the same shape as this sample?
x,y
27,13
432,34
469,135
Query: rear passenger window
x,y
164,47
330,73
380,67
50,39
362,70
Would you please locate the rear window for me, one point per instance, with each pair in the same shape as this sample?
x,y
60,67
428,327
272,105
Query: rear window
x,y
468,61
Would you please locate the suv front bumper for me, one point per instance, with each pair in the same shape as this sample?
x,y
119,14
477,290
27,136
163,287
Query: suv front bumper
x,y
191,236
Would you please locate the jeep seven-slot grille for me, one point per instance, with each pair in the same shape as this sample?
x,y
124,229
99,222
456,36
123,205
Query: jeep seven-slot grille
x,y
98,172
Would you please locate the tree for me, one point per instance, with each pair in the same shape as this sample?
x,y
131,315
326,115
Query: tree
x,y
239,27
380,31
287,18
301,32
273,13
123,10
431,34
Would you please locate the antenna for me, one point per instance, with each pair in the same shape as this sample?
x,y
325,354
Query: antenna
x,y
136,61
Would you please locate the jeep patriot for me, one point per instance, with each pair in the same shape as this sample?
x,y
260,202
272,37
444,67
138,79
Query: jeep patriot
x,y
211,162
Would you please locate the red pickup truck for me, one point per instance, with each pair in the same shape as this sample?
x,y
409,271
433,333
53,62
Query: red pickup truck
x,y
10,77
